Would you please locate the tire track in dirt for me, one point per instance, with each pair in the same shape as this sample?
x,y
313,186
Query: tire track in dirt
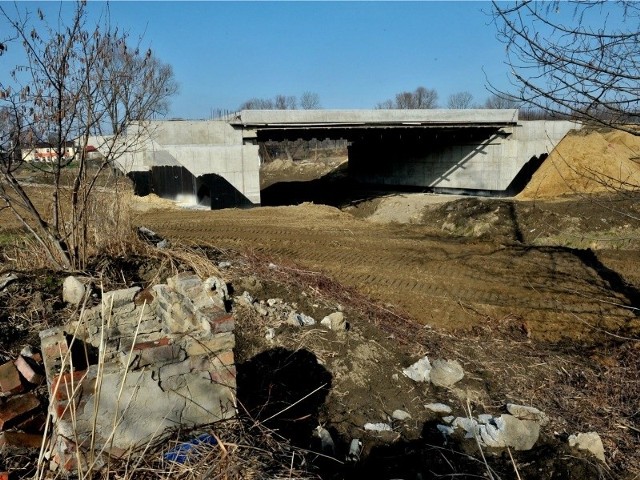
x,y
437,280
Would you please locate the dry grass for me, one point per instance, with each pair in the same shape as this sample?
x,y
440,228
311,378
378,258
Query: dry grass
x,y
244,449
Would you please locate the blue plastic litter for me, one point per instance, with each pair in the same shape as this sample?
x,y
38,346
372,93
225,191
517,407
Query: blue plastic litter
x,y
180,453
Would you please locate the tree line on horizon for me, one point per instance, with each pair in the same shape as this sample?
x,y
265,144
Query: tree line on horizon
x,y
420,98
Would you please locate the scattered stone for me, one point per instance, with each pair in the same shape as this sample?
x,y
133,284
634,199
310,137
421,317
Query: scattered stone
x,y
216,288
378,427
335,321
497,432
438,407
400,415
527,413
419,371
327,445
469,425
6,279
485,418
73,290
448,419
355,448
509,431
224,265
590,442
272,302
152,237
271,334
445,373
245,299
445,430
261,310
300,320
10,382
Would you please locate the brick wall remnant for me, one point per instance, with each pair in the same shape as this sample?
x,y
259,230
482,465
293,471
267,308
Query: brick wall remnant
x,y
138,364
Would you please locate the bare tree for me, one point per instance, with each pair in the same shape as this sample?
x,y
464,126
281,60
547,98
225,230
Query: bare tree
x,y
386,105
310,101
285,102
501,101
257,104
578,59
420,98
425,98
79,81
460,100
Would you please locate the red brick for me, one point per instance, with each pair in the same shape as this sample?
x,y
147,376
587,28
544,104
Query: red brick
x,y
4,475
29,370
34,424
155,343
10,382
16,408
20,439
62,385
222,323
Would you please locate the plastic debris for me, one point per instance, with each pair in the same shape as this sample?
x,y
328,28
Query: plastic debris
x,y
181,452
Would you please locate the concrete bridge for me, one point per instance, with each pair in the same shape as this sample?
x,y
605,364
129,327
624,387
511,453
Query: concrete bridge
x,y
216,163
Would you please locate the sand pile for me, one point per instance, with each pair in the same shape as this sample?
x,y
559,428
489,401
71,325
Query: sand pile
x,y
588,162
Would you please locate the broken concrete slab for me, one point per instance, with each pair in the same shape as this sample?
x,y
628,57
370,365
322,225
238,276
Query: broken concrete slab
x,y
499,432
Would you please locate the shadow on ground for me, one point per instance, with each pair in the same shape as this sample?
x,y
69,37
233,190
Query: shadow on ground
x,y
336,189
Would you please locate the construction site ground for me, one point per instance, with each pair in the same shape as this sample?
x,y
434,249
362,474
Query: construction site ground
x,y
537,297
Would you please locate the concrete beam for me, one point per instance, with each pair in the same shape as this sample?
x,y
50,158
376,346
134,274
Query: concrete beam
x,y
273,118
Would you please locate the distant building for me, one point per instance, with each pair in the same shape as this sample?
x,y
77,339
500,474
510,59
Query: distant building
x,y
47,153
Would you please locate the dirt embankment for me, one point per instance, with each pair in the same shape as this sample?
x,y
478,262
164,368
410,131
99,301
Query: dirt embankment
x,y
588,162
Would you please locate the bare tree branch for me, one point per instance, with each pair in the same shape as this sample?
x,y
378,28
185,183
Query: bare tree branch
x,y
584,66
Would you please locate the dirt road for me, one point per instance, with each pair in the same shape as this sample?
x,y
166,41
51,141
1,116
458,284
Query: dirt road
x,y
548,293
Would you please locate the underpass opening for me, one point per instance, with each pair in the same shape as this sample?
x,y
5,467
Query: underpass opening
x,y
379,161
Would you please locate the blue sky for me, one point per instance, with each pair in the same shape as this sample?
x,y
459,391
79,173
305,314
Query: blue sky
x,y
353,54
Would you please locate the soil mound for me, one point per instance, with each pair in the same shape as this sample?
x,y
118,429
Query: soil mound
x,y
588,162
